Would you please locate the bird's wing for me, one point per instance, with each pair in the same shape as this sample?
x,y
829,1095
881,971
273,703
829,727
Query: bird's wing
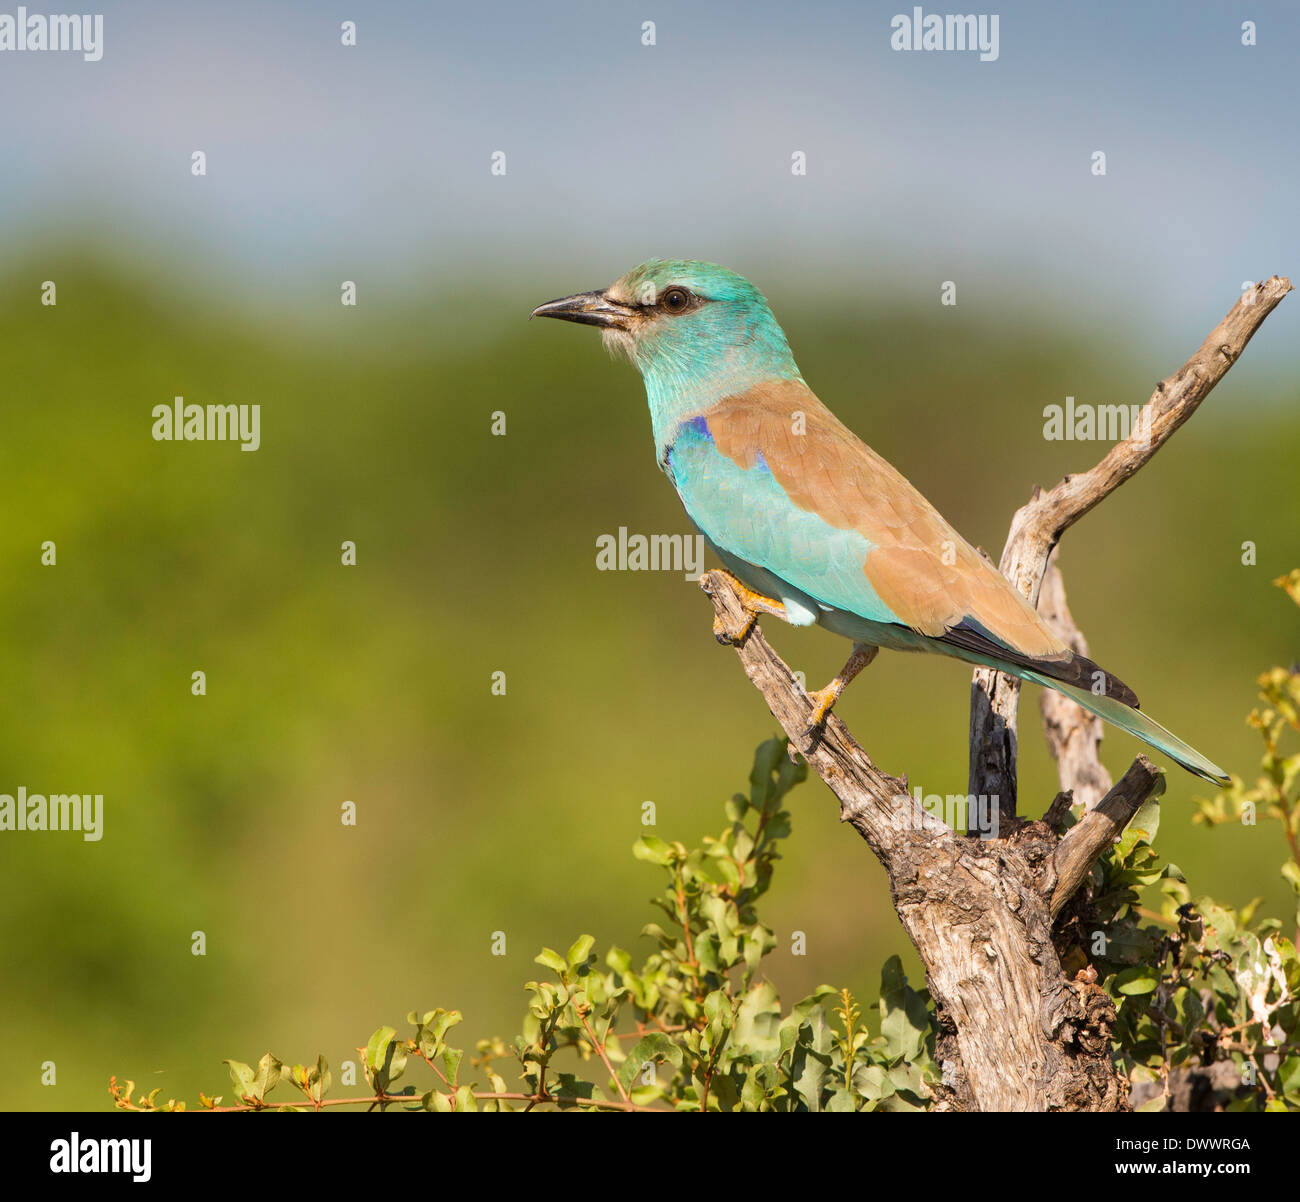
x,y
774,478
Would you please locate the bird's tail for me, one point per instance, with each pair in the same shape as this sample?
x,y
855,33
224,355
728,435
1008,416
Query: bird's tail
x,y
1137,723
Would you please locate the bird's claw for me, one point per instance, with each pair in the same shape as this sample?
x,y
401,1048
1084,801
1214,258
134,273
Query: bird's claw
x,y
823,702
751,604
729,635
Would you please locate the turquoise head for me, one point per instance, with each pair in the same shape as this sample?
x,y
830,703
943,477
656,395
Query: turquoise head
x,y
696,332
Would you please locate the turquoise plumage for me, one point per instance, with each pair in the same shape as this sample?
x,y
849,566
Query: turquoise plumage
x,y
814,524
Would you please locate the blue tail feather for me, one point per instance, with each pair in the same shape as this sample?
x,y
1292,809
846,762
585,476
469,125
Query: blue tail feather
x,y
1137,723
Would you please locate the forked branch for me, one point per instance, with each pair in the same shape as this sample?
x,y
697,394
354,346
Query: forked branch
x,y
1038,525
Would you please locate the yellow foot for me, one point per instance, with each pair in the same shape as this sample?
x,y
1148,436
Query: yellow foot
x,y
729,635
754,604
824,700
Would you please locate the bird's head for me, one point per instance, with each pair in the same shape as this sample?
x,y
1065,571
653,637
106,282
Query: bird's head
x,y
685,323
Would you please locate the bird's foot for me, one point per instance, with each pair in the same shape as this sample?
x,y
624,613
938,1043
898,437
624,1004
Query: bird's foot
x,y
823,703
732,633
729,634
823,700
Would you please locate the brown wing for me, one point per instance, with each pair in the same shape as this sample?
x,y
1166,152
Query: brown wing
x,y
928,575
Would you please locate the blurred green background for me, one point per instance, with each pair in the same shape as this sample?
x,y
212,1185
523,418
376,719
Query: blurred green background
x,y
476,553
374,163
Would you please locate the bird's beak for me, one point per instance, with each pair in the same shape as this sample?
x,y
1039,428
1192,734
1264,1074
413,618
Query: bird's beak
x,y
588,309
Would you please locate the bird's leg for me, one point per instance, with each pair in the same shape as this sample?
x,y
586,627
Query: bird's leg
x,y
754,604
824,699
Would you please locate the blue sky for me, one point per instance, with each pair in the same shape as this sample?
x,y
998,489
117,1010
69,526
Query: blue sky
x,y
326,162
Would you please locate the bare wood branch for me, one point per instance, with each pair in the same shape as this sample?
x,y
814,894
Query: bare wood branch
x,y
1037,526
1088,839
1073,734
1059,810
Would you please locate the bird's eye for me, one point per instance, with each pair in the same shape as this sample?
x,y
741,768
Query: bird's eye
x,y
676,300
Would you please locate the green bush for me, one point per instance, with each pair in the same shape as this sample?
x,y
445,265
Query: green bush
x,y
696,1026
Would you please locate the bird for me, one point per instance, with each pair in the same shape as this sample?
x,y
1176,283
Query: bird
x,y
813,525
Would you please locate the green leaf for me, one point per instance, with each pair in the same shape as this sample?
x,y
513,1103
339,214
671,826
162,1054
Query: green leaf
x,y
754,1092
451,1058
653,849
1139,979
619,960
1144,825
465,1099
568,1086
841,1101
254,1084
436,1101
778,827
908,1078
1288,1077
871,1082
904,1018
268,1076
655,1047
445,1021
385,1059
319,1078
581,950
377,1045
767,759
241,1075
758,1023
552,960
810,1070
802,1014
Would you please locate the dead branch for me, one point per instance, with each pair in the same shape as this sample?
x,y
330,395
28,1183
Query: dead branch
x,y
1038,525
1092,835
1073,734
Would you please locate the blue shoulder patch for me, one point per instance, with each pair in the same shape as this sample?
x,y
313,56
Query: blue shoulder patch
x,y
694,432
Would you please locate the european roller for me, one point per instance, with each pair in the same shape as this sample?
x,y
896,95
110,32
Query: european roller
x,y
815,526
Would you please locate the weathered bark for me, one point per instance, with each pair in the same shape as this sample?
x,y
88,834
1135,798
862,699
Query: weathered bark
x,y
1038,525
1015,1032
1089,838
1073,734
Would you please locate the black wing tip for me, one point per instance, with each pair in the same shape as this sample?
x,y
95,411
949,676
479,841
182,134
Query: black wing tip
x,y
1111,684
1070,668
